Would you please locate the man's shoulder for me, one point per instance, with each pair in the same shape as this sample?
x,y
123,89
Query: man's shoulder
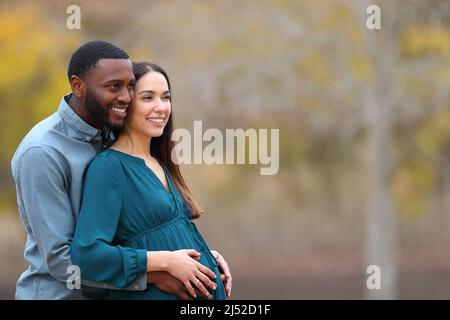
x,y
41,140
40,131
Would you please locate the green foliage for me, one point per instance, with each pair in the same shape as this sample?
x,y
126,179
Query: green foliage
x,y
421,40
415,182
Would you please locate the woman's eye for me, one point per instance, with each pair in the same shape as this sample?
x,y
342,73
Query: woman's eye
x,y
147,98
167,98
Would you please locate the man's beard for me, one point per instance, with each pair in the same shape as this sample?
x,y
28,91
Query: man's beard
x,y
100,113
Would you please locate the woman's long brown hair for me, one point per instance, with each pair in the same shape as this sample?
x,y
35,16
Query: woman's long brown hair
x,y
161,147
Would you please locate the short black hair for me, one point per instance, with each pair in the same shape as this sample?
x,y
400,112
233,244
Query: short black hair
x,y
85,58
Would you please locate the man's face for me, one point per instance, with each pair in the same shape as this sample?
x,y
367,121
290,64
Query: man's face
x,y
109,89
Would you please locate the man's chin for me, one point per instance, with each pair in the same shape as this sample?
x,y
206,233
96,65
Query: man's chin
x,y
115,125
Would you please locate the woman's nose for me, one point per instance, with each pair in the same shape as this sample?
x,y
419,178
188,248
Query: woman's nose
x,y
159,105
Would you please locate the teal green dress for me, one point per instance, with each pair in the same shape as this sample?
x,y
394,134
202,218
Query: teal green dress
x,y
126,211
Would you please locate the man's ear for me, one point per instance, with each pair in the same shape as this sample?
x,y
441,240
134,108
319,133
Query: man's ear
x,y
78,86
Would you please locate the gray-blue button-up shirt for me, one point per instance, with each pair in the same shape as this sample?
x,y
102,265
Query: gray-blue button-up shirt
x,y
48,168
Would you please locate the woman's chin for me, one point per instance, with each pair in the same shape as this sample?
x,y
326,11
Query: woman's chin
x,y
156,133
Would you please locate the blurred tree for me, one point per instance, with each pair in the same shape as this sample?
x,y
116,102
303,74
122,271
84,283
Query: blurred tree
x,y
384,102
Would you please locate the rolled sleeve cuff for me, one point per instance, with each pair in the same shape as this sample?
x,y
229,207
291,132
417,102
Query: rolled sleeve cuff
x,y
141,261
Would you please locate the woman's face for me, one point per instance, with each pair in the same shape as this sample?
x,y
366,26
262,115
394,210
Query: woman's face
x,y
150,108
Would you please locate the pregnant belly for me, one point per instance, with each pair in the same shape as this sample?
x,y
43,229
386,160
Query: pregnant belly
x,y
177,234
153,293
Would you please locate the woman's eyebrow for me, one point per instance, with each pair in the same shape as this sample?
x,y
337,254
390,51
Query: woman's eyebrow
x,y
153,92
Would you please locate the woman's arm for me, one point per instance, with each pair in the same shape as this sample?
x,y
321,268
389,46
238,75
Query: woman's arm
x,y
92,248
101,261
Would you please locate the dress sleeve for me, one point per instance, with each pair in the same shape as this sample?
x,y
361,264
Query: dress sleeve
x,y
92,248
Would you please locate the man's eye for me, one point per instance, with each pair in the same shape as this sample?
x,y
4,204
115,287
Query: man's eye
x,y
131,86
147,98
115,86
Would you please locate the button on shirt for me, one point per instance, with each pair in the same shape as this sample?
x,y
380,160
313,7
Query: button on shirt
x,y
48,169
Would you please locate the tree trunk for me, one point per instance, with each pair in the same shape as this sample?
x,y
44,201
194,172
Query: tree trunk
x,y
381,224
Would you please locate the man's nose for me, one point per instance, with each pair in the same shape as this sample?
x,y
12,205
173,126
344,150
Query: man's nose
x,y
125,96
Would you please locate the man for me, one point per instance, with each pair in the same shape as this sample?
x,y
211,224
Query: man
x,y
49,165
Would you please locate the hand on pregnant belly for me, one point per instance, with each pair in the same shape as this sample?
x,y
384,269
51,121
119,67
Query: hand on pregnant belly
x,y
183,265
165,282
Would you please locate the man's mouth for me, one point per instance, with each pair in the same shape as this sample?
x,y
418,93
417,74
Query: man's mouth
x,y
122,111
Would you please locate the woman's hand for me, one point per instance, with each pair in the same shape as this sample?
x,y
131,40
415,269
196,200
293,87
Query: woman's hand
x,y
182,265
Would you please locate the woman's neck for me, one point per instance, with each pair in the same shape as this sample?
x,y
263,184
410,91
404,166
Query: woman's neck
x,y
134,144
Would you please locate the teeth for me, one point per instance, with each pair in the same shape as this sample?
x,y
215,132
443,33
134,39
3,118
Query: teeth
x,y
119,110
156,120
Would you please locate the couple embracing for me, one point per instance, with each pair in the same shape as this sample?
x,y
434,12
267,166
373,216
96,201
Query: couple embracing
x,y
97,188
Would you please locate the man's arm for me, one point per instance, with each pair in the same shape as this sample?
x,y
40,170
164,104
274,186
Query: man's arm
x,y
42,183
164,281
42,179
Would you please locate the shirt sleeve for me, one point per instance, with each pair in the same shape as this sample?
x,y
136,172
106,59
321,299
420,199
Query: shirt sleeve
x,y
41,181
92,248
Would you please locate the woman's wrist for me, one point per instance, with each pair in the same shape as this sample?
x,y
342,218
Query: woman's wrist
x,y
158,260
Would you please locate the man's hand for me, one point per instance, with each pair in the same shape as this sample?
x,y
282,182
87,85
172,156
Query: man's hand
x,y
164,281
225,274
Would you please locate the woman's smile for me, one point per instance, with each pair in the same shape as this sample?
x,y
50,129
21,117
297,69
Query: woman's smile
x,y
158,121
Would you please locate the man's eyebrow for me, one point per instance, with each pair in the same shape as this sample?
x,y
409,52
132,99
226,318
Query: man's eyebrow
x,y
152,92
119,80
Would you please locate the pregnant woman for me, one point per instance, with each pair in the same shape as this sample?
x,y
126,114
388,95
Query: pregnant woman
x,y
137,209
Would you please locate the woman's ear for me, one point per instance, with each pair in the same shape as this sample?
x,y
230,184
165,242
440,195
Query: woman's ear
x,y
78,86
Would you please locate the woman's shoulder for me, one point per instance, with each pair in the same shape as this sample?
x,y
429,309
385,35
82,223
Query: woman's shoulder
x,y
105,161
104,170
106,156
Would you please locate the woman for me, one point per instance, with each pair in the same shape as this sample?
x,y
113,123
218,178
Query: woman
x,y
137,210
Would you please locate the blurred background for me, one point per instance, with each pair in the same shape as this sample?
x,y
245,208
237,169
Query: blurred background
x,y
364,119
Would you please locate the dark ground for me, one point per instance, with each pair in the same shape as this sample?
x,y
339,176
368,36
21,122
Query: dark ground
x,y
413,285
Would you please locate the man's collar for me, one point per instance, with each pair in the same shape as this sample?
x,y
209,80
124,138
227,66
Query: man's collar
x,y
86,132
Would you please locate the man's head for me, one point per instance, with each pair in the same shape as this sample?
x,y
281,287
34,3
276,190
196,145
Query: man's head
x,y
101,77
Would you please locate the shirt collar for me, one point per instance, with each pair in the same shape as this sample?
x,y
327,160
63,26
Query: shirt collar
x,y
85,131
